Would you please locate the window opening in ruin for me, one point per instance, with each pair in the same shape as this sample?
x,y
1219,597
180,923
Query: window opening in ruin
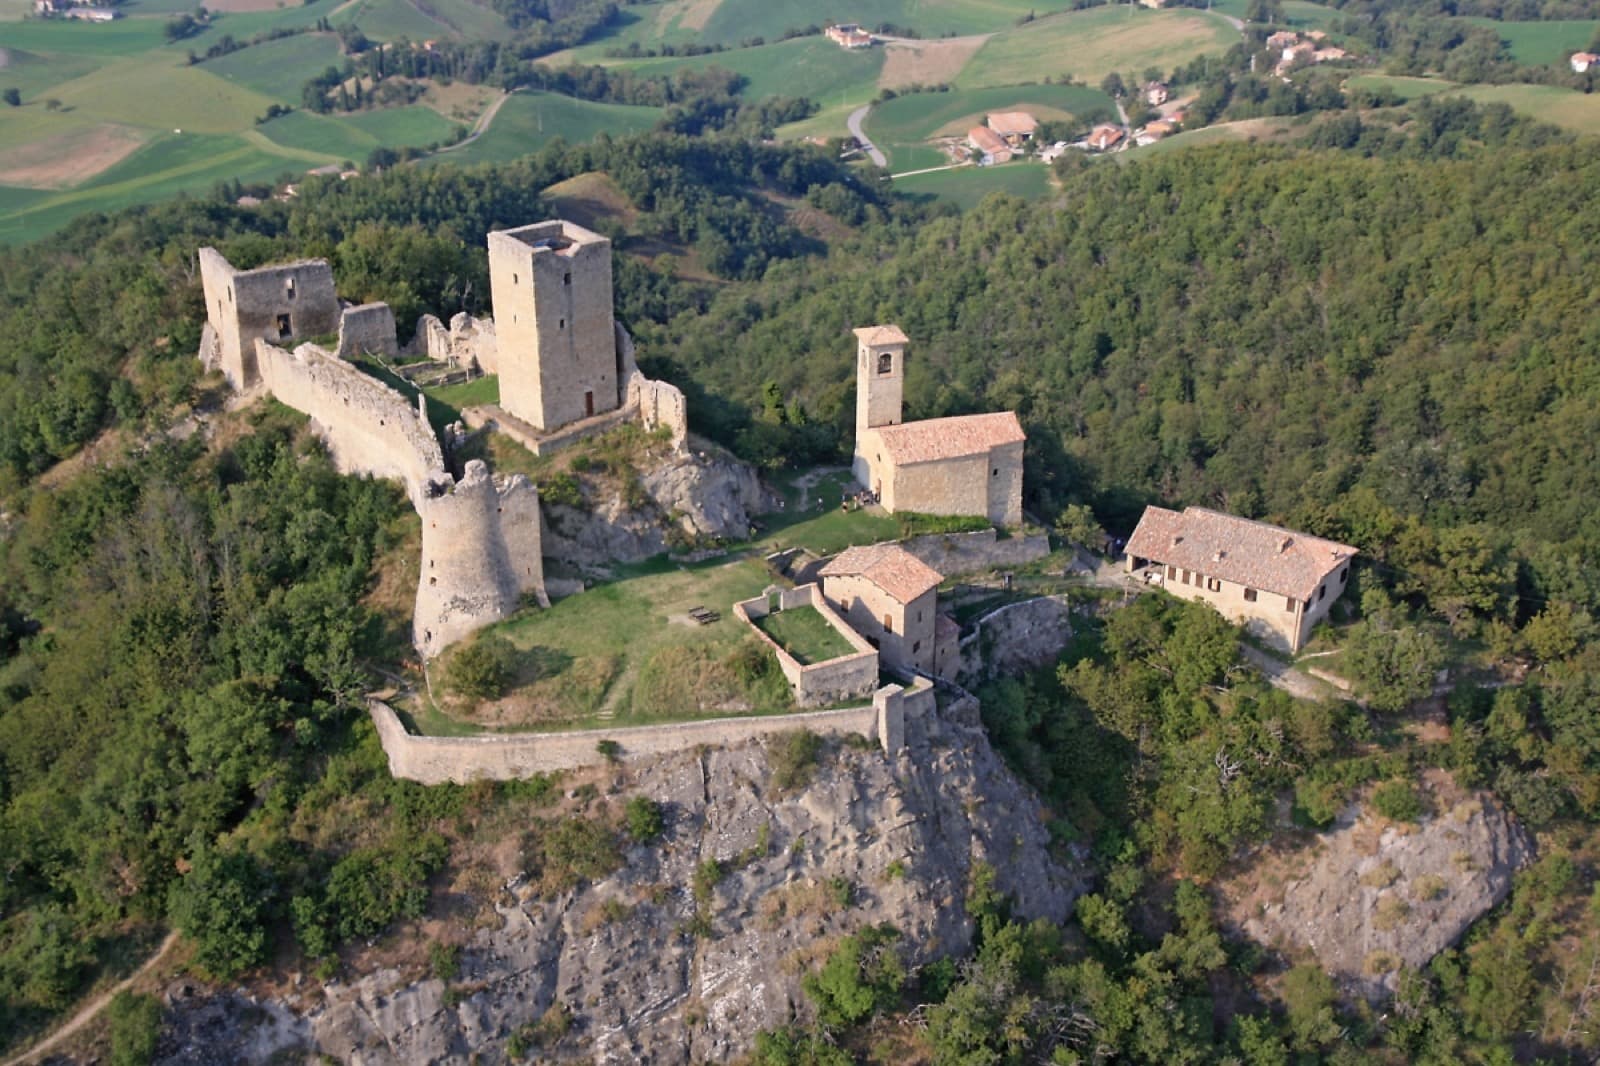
x,y
566,279
230,294
433,581
1249,595
996,472
513,279
288,286
561,323
886,363
588,403
916,647
285,331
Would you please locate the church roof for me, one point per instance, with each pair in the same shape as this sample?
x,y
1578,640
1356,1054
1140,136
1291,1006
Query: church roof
x,y
949,438
890,567
1245,552
873,336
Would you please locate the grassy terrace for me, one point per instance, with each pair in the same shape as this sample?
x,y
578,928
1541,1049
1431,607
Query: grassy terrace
x,y
805,634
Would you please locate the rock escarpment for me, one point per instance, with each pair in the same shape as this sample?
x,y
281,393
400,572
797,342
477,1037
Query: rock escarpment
x,y
1371,896
870,840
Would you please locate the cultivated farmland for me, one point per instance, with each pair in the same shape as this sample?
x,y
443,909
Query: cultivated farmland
x,y
1088,45
527,121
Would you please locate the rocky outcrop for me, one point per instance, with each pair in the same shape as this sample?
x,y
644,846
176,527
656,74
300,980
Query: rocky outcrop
x,y
871,840
1372,895
1016,638
697,494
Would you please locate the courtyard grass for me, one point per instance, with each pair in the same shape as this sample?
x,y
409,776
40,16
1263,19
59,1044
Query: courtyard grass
x,y
474,393
805,635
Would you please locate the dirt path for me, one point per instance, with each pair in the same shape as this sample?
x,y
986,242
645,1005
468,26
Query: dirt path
x,y
929,170
479,126
1281,675
93,1008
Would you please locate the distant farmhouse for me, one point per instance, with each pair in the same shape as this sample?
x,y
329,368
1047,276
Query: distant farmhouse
x,y
966,465
988,146
1582,61
1278,582
1156,93
849,36
1104,138
1294,49
1016,128
67,9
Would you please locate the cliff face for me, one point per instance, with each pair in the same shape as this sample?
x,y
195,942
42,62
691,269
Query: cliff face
x,y
870,840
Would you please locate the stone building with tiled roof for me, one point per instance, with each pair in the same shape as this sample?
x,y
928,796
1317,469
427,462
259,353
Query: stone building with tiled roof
x,y
966,465
1278,582
890,597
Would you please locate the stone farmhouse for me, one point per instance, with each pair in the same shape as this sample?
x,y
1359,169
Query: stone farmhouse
x,y
965,465
1016,128
849,36
988,146
1582,61
1277,582
890,597
564,362
1103,138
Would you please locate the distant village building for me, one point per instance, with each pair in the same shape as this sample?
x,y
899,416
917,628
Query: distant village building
x,y
1156,93
1277,42
966,465
1582,61
1104,138
890,597
1016,128
987,145
91,14
848,35
1155,131
1051,152
1278,582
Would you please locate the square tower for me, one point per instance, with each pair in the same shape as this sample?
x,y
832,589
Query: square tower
x,y
551,286
281,304
880,376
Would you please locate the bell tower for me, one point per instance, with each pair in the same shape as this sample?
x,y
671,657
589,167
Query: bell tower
x,y
880,376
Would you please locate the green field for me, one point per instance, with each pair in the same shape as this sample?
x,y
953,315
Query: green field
x,y
1403,87
1259,130
1088,45
352,137
1300,14
33,73
389,20
1543,43
1575,111
967,186
808,66
902,126
280,68
528,121
153,95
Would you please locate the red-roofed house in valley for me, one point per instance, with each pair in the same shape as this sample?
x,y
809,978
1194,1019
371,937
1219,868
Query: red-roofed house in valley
x,y
890,597
967,465
849,35
988,146
1104,138
1155,93
1014,127
1582,61
1277,582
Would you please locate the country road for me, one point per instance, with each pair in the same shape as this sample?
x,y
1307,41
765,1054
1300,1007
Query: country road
x,y
854,122
479,126
91,1009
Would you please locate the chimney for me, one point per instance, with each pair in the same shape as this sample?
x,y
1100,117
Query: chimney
x,y
1283,545
1177,539
1216,556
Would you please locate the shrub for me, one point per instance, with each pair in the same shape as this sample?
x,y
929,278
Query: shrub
x,y
1380,962
793,756
706,876
1380,876
135,1022
644,819
1428,887
862,976
484,669
1397,801
574,850
1391,913
445,961
609,749
561,490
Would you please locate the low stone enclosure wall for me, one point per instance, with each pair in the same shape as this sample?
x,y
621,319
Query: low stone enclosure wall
x,y
508,757
963,553
847,677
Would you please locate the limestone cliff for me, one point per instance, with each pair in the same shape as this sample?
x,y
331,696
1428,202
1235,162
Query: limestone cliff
x,y
699,494
870,840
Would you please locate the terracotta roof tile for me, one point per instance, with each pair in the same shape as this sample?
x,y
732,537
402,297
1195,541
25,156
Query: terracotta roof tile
x,y
949,438
873,336
986,140
945,628
1245,552
1013,123
890,567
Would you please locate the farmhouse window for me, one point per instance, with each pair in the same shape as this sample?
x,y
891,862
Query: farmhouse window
x,y
886,363
888,623
1172,572
1322,590
1249,595
1344,575
1186,577
1214,584
1289,604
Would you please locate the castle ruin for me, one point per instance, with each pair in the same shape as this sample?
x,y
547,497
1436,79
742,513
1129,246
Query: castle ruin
x,y
562,360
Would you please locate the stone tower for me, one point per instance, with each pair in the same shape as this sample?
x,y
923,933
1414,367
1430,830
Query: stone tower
x,y
551,285
880,376
281,304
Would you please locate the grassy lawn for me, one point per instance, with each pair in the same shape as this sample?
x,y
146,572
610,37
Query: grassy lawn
x,y
968,186
808,66
1541,43
805,634
469,393
1579,112
1262,130
1090,44
163,95
279,68
1403,87
527,121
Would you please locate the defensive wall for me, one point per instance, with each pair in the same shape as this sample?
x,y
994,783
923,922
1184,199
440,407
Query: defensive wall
x,y
367,329
846,677
466,343
965,553
506,757
1016,638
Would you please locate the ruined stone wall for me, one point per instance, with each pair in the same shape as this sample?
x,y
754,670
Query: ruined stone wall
x,y
1016,638
480,555
507,757
966,553
847,677
369,428
660,404
465,342
367,329
291,301
551,286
